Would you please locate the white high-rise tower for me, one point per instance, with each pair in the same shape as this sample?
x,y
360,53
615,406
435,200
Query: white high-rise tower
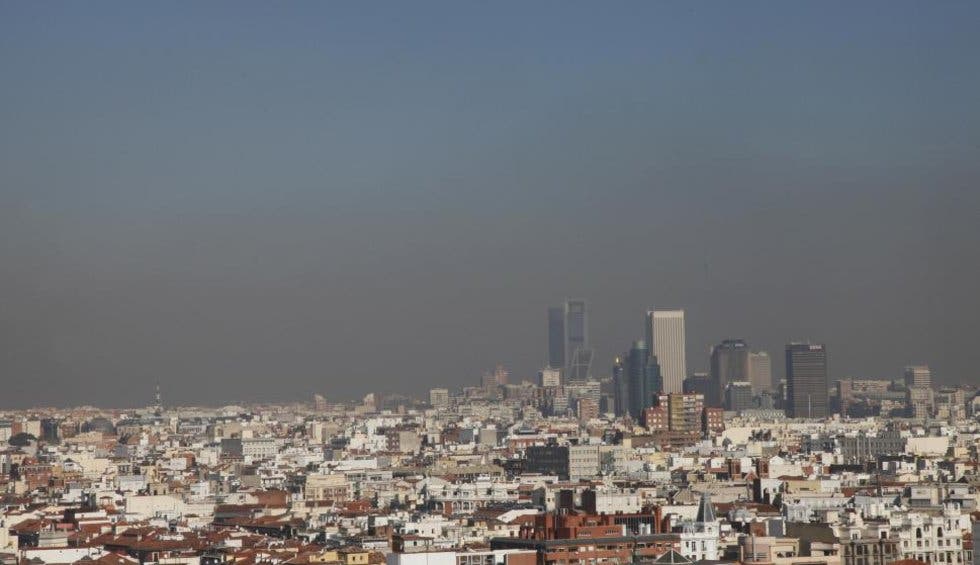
x,y
665,334
760,371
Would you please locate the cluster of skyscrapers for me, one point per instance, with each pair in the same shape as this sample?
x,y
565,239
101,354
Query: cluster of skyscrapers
x,y
739,378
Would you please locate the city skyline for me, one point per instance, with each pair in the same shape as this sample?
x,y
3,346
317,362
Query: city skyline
x,y
464,283
604,371
261,203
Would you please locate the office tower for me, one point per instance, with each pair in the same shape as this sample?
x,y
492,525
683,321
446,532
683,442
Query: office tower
x,y
738,396
806,380
665,334
637,380
760,371
919,398
918,376
578,354
621,390
698,383
549,377
568,340
919,401
643,375
729,363
642,378
556,337
439,398
845,395
636,375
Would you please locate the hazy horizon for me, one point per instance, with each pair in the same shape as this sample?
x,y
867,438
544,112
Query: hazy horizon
x,y
259,202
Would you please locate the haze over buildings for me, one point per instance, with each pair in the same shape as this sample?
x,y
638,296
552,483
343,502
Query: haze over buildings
x,y
249,202
368,284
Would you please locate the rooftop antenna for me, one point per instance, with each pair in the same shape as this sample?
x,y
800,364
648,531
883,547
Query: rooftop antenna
x,y
158,403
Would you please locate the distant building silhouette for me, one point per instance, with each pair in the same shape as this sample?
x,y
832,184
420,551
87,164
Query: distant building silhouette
x,y
918,376
556,337
738,396
698,383
760,372
806,381
568,341
729,363
638,380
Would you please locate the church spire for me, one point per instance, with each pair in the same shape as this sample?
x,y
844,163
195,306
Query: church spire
x,y
706,510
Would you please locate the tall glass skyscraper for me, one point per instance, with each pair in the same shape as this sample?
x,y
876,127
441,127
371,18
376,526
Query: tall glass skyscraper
x,y
729,363
556,337
806,381
665,334
637,380
568,340
621,386
578,356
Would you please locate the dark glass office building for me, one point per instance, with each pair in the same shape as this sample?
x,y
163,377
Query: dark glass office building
x,y
698,383
621,386
547,460
556,337
806,381
636,377
568,341
578,355
729,363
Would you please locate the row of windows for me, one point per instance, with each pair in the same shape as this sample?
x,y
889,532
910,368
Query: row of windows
x,y
939,543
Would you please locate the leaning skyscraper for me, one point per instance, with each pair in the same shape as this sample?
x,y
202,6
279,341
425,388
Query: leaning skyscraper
x,y
568,340
578,354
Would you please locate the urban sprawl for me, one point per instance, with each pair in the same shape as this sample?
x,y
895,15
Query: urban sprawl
x,y
639,462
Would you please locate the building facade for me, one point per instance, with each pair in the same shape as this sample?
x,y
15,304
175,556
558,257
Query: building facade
x,y
760,371
806,381
666,338
729,363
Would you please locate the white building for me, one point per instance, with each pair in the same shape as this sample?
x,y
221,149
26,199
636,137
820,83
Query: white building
x,y
760,371
250,449
665,336
439,398
699,538
549,377
932,538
